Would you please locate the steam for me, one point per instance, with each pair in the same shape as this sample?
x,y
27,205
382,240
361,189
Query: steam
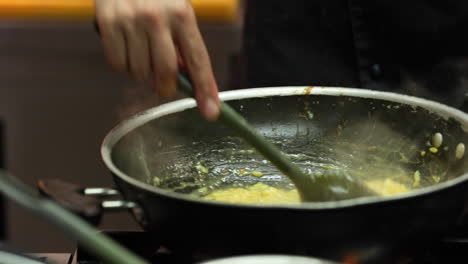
x,y
374,150
141,151
139,98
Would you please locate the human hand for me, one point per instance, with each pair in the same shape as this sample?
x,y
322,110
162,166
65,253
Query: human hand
x,y
149,38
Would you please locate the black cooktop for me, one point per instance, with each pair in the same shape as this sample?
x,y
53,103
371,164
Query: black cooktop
x,y
449,250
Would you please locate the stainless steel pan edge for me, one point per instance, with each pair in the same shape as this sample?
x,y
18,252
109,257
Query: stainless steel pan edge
x,y
180,105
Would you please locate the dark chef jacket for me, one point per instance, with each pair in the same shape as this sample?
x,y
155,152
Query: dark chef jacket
x,y
418,47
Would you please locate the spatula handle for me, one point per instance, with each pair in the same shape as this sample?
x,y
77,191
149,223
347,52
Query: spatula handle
x,y
236,122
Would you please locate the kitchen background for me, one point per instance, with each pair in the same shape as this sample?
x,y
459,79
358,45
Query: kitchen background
x,y
58,99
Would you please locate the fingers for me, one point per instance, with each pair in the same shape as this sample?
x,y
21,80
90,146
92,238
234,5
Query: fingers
x,y
139,63
113,39
197,62
124,40
115,48
143,37
164,60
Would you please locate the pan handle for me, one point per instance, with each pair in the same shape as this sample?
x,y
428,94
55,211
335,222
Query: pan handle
x,y
88,203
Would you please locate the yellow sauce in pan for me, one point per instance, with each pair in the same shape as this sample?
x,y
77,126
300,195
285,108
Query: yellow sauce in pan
x,y
386,187
257,193
261,193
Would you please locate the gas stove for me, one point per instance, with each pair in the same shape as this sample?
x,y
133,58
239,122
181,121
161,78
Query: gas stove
x,y
449,250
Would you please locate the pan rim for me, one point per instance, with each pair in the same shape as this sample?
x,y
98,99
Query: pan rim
x,y
124,127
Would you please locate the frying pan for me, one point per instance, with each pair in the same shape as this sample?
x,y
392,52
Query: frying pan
x,y
154,157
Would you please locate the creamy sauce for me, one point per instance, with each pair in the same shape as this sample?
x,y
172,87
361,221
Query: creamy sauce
x,y
257,193
261,193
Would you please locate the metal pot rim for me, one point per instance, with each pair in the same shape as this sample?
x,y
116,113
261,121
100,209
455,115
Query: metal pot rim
x,y
269,258
142,118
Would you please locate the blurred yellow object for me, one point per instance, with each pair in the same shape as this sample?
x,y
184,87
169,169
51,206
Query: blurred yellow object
x,y
216,10
261,193
258,193
206,10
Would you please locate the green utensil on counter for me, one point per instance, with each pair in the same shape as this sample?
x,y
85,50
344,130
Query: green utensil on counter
x,y
97,243
231,118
